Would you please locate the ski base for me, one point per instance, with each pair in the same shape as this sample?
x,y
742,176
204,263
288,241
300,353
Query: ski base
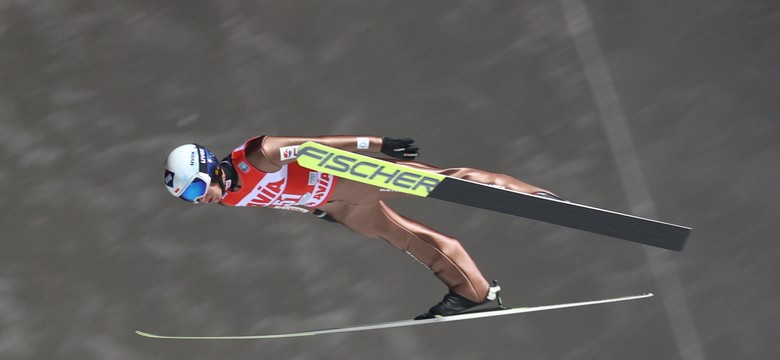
x,y
401,323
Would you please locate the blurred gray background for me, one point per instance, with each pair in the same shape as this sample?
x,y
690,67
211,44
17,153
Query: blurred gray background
x,y
665,109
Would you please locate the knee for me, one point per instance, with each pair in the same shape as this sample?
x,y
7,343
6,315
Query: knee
x,y
462,173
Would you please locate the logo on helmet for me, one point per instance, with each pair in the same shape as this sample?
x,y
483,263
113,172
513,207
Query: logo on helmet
x,y
169,177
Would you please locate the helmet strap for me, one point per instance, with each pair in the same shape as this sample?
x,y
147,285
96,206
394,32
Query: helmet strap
x,y
231,180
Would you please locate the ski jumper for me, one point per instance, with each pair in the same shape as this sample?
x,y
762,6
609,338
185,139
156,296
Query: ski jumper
x,y
362,209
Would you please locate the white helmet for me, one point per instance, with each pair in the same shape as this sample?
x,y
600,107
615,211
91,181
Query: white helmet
x,y
189,171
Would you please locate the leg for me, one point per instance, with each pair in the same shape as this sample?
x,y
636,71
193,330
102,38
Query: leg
x,y
481,176
443,255
359,207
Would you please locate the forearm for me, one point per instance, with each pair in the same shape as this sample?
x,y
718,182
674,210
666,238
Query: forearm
x,y
343,142
280,150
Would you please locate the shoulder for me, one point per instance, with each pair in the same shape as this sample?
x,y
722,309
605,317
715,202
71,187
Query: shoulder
x,y
258,155
254,145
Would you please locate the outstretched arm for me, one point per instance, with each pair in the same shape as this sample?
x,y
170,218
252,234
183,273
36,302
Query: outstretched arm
x,y
269,153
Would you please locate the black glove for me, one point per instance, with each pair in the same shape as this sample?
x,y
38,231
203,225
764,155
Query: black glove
x,y
400,148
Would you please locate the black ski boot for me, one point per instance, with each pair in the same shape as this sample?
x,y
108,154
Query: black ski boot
x,y
455,304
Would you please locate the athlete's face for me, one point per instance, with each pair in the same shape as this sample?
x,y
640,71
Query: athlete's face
x,y
213,194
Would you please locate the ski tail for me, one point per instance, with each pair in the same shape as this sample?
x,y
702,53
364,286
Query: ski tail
x,y
572,215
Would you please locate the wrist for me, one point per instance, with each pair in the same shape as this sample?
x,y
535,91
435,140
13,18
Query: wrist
x,y
368,143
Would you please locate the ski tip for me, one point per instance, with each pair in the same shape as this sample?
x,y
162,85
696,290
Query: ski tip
x,y
640,296
147,335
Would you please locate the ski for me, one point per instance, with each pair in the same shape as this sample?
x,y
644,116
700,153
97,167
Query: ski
x,y
413,181
396,324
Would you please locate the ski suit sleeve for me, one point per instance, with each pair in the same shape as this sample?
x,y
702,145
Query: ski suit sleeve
x,y
269,153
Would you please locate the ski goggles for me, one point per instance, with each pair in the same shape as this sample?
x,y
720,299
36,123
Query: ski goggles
x,y
196,188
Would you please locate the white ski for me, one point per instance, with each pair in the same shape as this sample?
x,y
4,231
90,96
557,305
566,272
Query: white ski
x,y
395,324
